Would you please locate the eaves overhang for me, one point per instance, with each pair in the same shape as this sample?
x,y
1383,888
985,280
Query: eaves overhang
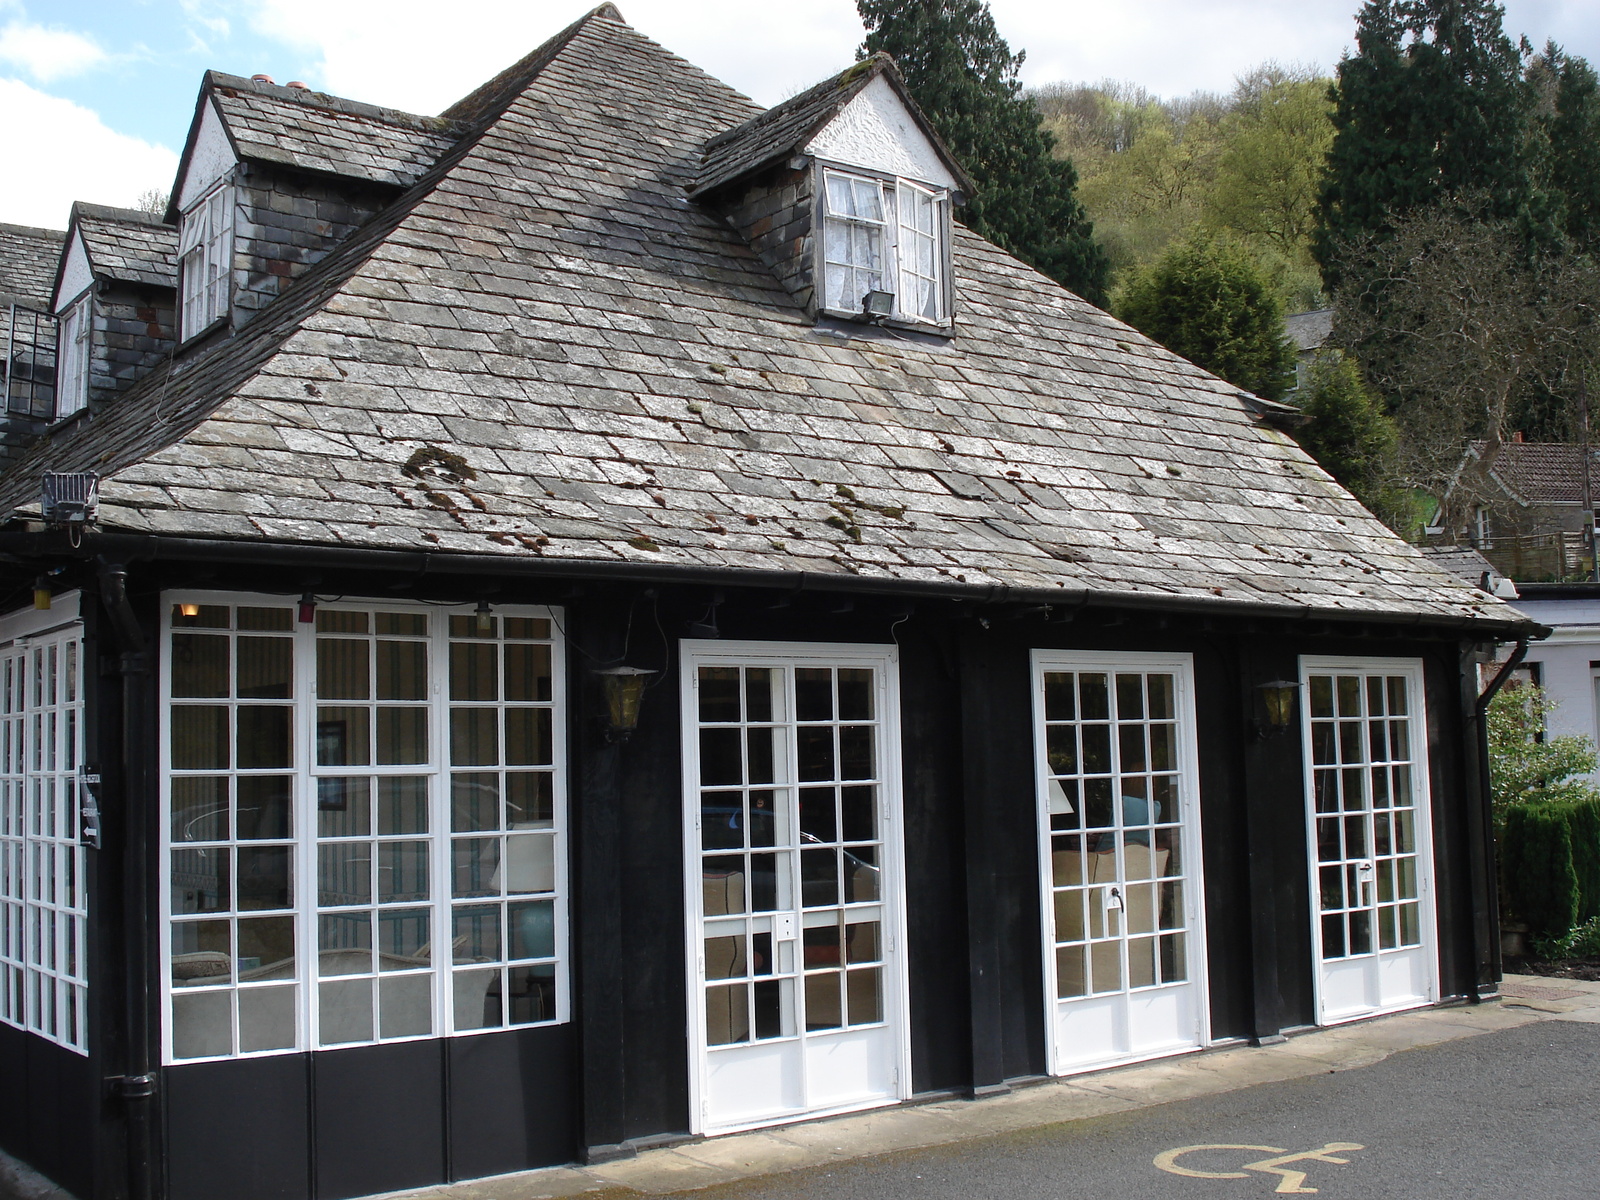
x,y
34,546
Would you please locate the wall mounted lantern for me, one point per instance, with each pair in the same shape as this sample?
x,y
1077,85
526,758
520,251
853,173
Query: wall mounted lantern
x,y
624,688
1278,697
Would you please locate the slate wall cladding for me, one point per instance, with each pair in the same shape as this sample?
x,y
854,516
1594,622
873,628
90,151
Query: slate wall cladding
x,y
286,223
775,214
134,330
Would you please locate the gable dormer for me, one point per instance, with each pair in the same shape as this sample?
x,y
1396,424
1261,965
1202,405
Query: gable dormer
x,y
114,301
846,192
272,179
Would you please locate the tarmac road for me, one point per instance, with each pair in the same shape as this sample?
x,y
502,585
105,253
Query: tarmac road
x,y
1515,1113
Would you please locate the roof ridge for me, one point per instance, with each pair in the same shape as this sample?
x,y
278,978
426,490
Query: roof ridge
x,y
38,231
109,212
494,95
326,100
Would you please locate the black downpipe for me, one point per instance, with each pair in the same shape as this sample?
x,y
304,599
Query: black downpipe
x,y
137,1087
1487,962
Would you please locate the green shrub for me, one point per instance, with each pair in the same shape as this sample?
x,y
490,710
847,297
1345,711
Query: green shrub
x,y
1536,865
1582,941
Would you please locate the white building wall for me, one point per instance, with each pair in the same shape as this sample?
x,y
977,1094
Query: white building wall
x,y
1564,661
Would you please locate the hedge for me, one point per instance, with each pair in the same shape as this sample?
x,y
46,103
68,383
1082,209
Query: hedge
x,y
1550,864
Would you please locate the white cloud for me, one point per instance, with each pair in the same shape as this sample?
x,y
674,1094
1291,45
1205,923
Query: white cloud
x,y
48,54
102,165
398,53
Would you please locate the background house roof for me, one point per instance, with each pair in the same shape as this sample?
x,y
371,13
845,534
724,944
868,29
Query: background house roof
x,y
543,350
1543,472
313,131
127,245
28,258
1309,330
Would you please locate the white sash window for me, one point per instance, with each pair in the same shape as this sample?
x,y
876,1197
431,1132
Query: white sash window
x,y
205,258
884,236
77,327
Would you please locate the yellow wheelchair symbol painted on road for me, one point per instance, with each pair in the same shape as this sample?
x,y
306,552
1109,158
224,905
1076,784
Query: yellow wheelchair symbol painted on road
x,y
1292,1181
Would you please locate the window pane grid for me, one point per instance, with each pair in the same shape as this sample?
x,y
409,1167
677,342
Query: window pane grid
x,y
789,768
1364,798
1117,854
43,900
342,805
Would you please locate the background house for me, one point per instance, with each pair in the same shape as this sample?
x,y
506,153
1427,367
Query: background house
x,y
1534,521
619,619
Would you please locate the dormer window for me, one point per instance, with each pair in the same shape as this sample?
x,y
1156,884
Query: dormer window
x,y
72,370
205,258
884,235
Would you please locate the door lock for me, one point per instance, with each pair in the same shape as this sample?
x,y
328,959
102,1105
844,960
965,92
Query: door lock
x,y
783,927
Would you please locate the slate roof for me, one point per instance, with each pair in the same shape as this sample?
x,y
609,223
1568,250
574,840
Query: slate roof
x,y
1308,330
543,350
28,258
1539,473
786,129
1465,563
313,131
127,245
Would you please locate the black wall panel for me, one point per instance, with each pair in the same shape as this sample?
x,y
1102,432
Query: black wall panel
x,y
936,912
240,1130
378,1118
512,1103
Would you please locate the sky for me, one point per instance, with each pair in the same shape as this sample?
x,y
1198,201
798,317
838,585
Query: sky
x,y
96,96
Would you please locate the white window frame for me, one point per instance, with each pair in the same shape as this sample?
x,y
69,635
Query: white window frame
x,y
898,197
72,355
885,661
1411,669
44,910
1180,666
205,260
306,842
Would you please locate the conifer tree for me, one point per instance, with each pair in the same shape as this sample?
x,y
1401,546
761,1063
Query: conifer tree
x,y
1429,107
1574,149
1208,301
964,76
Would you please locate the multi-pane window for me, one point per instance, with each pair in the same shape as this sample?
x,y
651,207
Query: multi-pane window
x,y
43,905
791,849
72,356
366,825
205,259
883,236
1114,785
1365,796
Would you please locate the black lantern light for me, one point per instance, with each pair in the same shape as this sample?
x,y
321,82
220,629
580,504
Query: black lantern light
x,y
1278,698
624,687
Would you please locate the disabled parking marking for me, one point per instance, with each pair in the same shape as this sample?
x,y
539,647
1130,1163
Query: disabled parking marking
x,y
1292,1182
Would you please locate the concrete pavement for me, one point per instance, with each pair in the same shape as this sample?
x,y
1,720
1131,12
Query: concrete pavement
x,y
746,1156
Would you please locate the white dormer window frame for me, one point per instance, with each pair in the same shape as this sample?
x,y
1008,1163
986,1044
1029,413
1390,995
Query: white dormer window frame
x,y
884,233
72,355
205,259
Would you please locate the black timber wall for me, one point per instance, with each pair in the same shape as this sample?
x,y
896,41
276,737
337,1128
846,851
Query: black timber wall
x,y
347,1122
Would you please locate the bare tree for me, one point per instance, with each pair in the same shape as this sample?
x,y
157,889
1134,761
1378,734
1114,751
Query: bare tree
x,y
153,201
1458,323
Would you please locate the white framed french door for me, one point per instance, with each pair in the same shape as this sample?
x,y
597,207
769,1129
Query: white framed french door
x,y
1120,864
1368,836
793,881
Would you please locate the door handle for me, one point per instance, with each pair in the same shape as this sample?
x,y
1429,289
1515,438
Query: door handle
x,y
1364,872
